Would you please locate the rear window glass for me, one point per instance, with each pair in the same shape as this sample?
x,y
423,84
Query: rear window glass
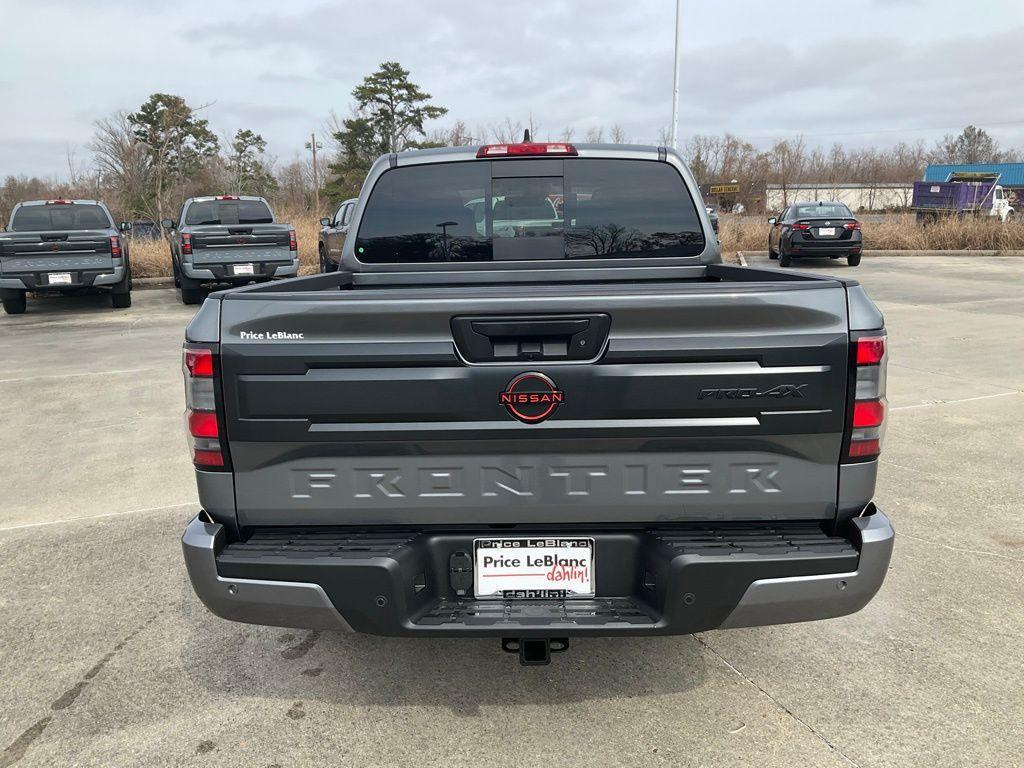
x,y
33,218
594,209
228,212
827,211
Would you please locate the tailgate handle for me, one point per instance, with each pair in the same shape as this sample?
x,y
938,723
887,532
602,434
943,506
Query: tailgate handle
x,y
53,238
247,231
510,339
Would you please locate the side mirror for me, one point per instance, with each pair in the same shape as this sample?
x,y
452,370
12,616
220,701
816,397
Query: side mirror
x,y
125,226
167,224
773,221
325,222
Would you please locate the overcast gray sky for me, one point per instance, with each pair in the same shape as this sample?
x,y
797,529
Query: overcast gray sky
x,y
861,71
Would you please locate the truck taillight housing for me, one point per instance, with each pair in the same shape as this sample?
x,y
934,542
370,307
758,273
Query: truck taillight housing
x,y
867,415
186,243
202,416
115,247
293,244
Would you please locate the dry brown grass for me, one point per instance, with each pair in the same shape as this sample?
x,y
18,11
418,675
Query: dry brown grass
x,y
739,233
152,258
895,232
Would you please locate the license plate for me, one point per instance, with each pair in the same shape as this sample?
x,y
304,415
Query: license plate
x,y
243,269
59,278
533,568
826,231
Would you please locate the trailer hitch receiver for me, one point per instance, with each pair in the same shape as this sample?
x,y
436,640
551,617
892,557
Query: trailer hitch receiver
x,y
534,651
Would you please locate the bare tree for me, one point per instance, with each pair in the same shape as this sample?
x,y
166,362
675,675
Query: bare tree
x,y
534,126
123,162
507,132
789,157
618,134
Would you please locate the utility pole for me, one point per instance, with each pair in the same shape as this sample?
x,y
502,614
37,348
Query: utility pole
x,y
312,145
674,132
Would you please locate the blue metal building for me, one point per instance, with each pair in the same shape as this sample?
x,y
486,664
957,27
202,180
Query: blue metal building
x,y
1011,174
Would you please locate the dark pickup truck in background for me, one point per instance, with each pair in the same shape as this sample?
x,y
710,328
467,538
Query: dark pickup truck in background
x,y
228,240
61,246
570,424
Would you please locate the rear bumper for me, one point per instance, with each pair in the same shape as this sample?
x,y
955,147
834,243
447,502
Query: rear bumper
x,y
223,273
83,278
662,581
800,246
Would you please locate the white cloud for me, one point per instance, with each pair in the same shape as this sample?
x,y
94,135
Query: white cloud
x,y
868,72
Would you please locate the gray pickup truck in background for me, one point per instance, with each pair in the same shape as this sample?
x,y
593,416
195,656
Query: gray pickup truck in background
x,y
62,246
580,423
228,240
333,231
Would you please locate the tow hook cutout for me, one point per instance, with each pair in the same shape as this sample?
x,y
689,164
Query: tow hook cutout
x,y
534,651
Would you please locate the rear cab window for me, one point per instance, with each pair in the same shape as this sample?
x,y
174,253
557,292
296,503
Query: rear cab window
x,y
529,209
827,211
59,217
212,212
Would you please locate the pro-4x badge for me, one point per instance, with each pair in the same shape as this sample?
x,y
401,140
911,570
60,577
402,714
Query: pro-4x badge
x,y
745,393
531,397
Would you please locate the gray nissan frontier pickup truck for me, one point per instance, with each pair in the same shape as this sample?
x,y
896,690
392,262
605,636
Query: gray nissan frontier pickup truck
x,y
534,404
228,239
63,246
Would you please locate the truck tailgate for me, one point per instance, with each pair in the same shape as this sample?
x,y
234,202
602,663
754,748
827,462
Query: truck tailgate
x,y
223,244
703,401
54,251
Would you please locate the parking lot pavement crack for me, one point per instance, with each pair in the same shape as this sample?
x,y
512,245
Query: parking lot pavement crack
x,y
1010,389
789,712
40,377
944,479
17,748
954,402
962,550
100,516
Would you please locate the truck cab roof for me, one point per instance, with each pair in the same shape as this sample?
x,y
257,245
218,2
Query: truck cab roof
x,y
208,198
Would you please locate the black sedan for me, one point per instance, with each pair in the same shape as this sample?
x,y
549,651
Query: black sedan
x,y
815,229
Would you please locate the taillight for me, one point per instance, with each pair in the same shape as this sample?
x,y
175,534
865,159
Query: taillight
x,y
527,148
198,362
199,366
870,350
800,226
851,225
115,247
59,202
867,419
868,413
227,197
293,244
186,243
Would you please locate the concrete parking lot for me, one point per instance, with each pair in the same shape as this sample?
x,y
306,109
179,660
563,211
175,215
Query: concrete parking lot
x,y
109,660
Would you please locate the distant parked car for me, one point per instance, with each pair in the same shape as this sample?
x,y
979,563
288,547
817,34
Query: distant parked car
x,y
815,229
713,215
333,232
229,239
144,229
61,246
